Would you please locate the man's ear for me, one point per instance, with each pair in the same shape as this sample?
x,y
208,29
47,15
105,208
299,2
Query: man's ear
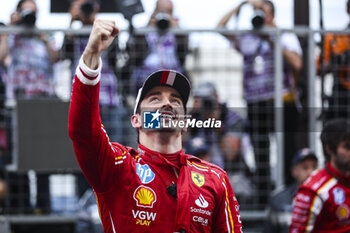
x,y
136,121
329,151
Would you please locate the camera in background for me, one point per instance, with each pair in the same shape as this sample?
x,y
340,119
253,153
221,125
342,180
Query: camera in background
x,y
162,21
87,9
207,104
206,97
28,17
258,19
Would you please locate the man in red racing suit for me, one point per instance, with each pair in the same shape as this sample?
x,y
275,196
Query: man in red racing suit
x,y
322,203
156,188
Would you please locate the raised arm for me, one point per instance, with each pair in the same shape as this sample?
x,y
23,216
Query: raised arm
x,y
4,48
93,150
101,37
293,59
224,20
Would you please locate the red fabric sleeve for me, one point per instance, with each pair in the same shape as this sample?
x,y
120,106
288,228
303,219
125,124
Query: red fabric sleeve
x,y
93,150
306,206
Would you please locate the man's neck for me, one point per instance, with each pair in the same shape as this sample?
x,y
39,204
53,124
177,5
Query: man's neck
x,y
162,142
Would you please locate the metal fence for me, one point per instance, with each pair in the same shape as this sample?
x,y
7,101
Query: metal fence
x,y
44,184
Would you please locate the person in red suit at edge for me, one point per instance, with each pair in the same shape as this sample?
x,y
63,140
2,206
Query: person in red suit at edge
x,y
322,203
156,188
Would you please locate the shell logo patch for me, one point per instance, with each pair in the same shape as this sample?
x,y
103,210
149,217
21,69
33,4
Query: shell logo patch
x,y
145,196
343,212
198,179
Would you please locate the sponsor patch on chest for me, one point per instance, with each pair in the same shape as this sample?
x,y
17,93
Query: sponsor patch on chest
x,y
145,173
343,212
145,196
143,218
201,211
198,178
339,196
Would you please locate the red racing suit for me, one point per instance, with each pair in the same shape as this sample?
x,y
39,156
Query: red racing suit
x,y
131,185
322,203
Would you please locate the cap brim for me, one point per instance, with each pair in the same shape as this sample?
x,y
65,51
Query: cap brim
x,y
301,159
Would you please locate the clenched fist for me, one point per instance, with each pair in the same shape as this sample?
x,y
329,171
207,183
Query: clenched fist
x,y
101,37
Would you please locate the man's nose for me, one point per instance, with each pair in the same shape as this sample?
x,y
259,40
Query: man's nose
x,y
166,103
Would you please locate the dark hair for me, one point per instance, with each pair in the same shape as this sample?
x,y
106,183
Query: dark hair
x,y
272,6
20,3
334,132
348,5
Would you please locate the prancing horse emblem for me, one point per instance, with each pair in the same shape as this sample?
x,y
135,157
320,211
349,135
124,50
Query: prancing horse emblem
x,y
198,179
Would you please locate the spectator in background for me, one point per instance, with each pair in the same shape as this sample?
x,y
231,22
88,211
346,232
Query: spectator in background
x,y
3,41
30,56
281,204
28,59
258,85
322,203
84,12
206,105
3,135
336,60
237,169
3,130
198,146
223,146
160,49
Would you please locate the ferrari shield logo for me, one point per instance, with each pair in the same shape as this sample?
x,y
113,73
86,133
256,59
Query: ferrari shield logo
x,y
198,179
